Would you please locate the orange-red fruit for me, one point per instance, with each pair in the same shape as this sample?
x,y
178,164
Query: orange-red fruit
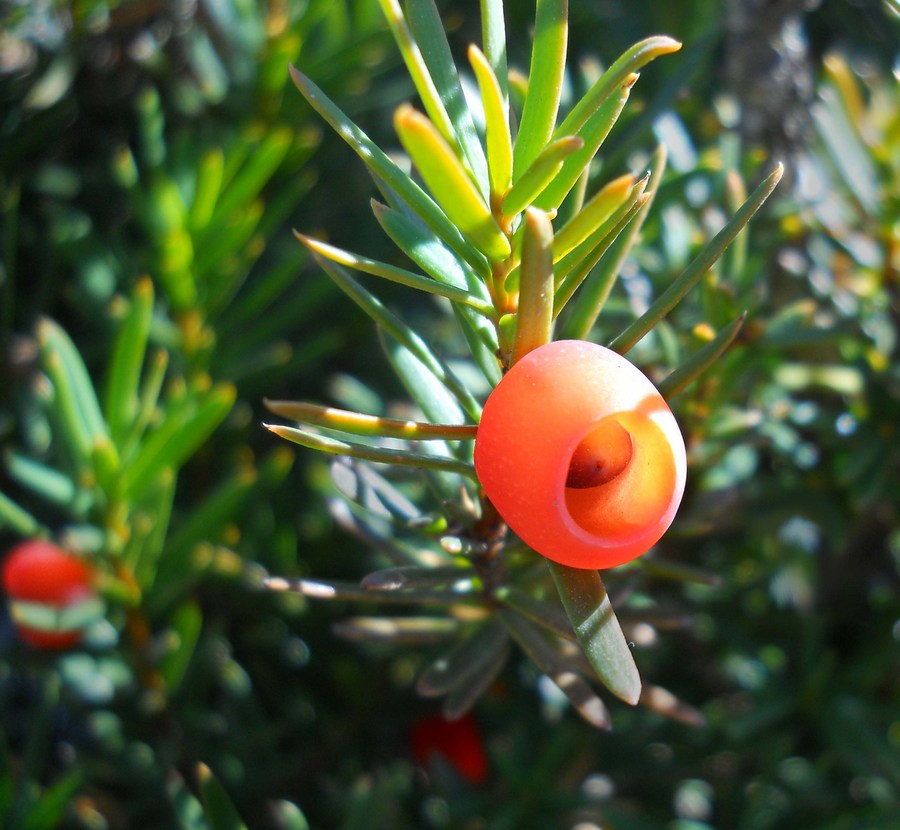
x,y
458,742
38,573
581,456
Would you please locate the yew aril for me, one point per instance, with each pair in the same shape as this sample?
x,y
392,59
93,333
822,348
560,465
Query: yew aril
x,y
581,455
47,588
458,742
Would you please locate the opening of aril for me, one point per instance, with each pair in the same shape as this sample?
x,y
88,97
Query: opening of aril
x,y
601,456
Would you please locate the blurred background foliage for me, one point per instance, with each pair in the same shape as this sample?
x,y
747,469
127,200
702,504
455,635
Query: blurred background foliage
x,y
153,161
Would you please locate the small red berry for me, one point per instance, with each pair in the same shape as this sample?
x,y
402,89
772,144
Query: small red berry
x,y
581,456
457,741
48,590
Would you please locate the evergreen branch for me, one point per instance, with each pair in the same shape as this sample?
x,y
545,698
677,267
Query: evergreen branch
x,y
534,320
698,267
428,30
594,620
559,669
350,591
593,132
397,329
496,118
381,455
627,64
396,630
540,173
449,182
357,423
584,311
593,214
545,80
390,174
605,236
697,364
395,274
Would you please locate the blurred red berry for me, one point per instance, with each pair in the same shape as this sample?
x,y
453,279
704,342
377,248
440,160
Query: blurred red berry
x,y
43,581
457,741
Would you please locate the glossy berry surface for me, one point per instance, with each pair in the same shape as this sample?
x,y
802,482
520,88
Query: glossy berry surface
x,y
39,573
581,455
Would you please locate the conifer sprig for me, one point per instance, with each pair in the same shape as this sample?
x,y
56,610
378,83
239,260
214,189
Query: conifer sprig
x,y
479,215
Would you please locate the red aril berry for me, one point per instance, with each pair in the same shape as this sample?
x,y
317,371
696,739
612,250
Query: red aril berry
x,y
51,595
457,741
581,456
